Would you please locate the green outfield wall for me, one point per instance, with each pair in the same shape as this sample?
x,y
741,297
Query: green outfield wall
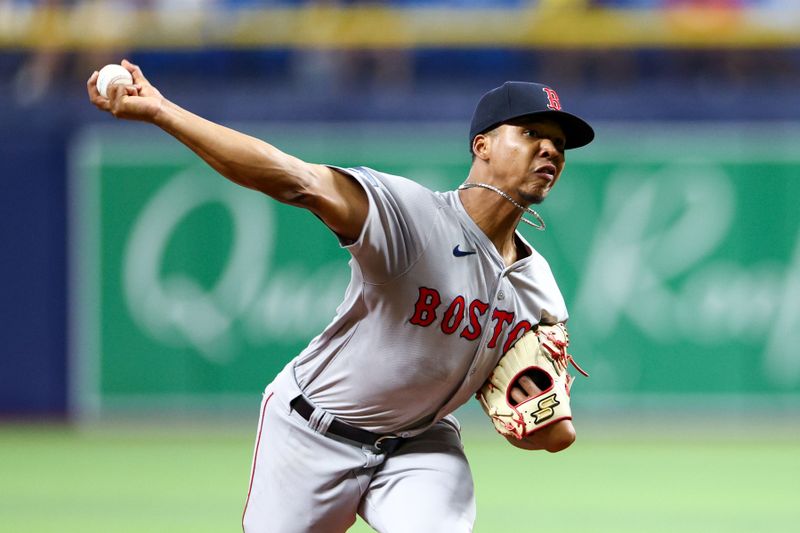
x,y
677,248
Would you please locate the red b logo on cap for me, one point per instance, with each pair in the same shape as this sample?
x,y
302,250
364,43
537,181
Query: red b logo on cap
x,y
552,99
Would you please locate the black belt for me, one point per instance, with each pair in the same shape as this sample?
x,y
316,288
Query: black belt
x,y
383,443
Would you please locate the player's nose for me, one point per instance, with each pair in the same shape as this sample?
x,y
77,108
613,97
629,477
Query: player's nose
x,y
548,144
548,148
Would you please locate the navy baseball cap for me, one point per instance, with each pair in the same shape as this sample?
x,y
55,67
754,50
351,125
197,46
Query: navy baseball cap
x,y
516,99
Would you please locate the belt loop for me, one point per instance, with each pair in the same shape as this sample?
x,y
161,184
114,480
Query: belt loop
x,y
373,458
320,420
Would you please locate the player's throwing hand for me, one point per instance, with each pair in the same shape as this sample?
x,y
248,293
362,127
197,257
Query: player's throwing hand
x,y
139,101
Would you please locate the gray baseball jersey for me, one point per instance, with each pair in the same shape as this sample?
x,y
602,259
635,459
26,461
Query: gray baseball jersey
x,y
430,309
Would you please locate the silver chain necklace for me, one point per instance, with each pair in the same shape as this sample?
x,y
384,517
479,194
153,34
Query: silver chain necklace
x,y
541,226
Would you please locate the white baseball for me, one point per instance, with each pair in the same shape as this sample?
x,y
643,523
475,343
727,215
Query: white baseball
x,y
111,74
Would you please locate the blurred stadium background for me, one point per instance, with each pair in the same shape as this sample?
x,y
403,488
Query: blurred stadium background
x,y
146,302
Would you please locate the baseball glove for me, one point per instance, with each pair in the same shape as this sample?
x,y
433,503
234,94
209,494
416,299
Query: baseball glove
x,y
542,355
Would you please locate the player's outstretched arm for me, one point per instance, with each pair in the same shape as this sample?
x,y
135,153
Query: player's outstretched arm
x,y
335,198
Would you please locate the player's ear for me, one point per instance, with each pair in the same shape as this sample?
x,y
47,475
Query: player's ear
x,y
481,145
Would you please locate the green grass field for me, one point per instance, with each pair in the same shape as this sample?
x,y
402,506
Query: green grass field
x,y
193,478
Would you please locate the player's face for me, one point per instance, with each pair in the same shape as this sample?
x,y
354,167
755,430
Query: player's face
x,y
528,156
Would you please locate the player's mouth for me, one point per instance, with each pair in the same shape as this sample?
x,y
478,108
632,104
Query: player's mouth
x,y
547,172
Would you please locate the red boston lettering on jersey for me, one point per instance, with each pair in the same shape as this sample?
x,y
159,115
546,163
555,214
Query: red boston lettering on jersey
x,y
429,301
552,99
425,308
522,327
454,315
501,318
476,310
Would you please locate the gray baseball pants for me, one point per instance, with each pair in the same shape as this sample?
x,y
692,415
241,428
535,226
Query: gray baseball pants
x,y
303,481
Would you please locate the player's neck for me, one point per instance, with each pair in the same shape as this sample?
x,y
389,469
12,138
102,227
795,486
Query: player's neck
x,y
496,217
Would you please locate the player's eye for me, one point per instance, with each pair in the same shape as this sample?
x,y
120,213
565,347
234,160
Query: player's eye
x,y
531,133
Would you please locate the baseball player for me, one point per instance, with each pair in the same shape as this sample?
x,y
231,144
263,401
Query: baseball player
x,y
442,285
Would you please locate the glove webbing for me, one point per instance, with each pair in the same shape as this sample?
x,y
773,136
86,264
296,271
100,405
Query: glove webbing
x,y
557,348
